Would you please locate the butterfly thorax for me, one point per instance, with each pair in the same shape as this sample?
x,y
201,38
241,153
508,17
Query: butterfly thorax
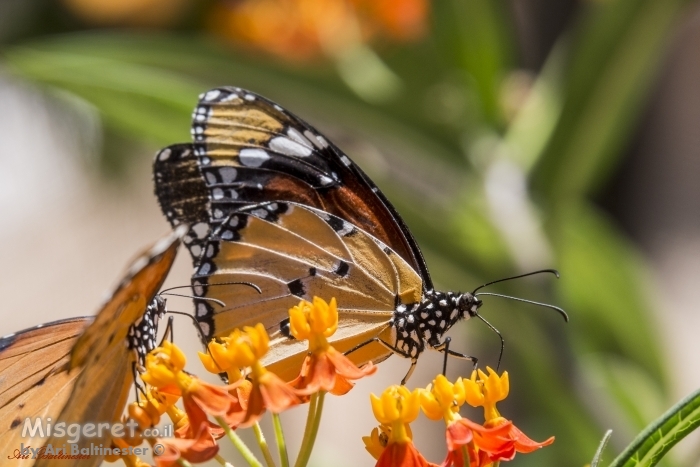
x,y
142,334
424,323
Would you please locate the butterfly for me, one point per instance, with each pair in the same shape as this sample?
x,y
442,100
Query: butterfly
x,y
271,201
80,370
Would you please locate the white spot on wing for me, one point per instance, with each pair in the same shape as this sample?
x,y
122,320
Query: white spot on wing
x,y
201,229
253,157
164,154
228,174
294,134
211,95
286,146
322,141
196,250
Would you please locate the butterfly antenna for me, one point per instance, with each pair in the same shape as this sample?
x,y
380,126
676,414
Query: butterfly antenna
x,y
218,302
173,288
546,305
503,342
541,271
447,352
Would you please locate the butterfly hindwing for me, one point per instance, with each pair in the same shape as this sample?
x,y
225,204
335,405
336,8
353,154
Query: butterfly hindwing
x,y
270,245
182,194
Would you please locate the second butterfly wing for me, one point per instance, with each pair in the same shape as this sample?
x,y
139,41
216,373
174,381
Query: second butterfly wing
x,y
80,370
34,381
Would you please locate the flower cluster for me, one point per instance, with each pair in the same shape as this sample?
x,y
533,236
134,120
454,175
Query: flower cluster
x,y
214,411
468,443
252,391
304,29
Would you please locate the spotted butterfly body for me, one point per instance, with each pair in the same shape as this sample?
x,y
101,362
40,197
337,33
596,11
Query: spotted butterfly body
x,y
80,370
289,211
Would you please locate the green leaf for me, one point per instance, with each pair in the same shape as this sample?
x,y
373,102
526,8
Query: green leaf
x,y
659,437
613,62
474,35
604,286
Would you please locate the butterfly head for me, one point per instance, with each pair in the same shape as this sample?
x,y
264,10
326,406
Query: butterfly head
x,y
468,305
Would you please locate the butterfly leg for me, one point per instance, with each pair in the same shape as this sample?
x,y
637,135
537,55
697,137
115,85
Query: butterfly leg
x,y
137,387
410,371
393,349
168,334
445,347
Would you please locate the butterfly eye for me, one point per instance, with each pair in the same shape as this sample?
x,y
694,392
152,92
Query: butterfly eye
x,y
468,304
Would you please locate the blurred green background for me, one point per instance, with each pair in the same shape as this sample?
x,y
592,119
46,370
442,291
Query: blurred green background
x,y
510,134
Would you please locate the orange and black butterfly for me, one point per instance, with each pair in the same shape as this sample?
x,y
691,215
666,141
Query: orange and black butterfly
x,y
271,201
80,370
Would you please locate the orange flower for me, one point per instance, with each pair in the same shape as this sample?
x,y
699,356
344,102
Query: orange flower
x,y
164,372
298,30
442,400
485,391
395,409
264,390
324,368
199,448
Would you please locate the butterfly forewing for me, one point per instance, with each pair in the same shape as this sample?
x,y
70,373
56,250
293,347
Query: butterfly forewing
x,y
277,156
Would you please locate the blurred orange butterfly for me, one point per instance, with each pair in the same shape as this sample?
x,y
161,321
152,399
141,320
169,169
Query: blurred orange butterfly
x,y
80,370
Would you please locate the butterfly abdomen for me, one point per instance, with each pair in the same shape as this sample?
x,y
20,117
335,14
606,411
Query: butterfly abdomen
x,y
143,333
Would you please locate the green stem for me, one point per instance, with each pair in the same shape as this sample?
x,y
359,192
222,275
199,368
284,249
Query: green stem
x,y
238,442
184,463
279,437
222,461
313,421
263,445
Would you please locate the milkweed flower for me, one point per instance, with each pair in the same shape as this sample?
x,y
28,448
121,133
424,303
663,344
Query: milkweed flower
x,y
391,444
264,389
164,372
465,439
324,368
482,390
301,30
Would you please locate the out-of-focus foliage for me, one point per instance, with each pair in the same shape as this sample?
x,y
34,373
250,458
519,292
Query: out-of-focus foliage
x,y
492,166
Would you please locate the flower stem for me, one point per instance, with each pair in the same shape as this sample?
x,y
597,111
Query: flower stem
x,y
279,437
238,442
222,461
263,445
184,463
313,421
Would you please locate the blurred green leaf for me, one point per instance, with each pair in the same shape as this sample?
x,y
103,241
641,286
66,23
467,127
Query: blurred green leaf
x,y
658,438
474,35
143,101
613,61
605,288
